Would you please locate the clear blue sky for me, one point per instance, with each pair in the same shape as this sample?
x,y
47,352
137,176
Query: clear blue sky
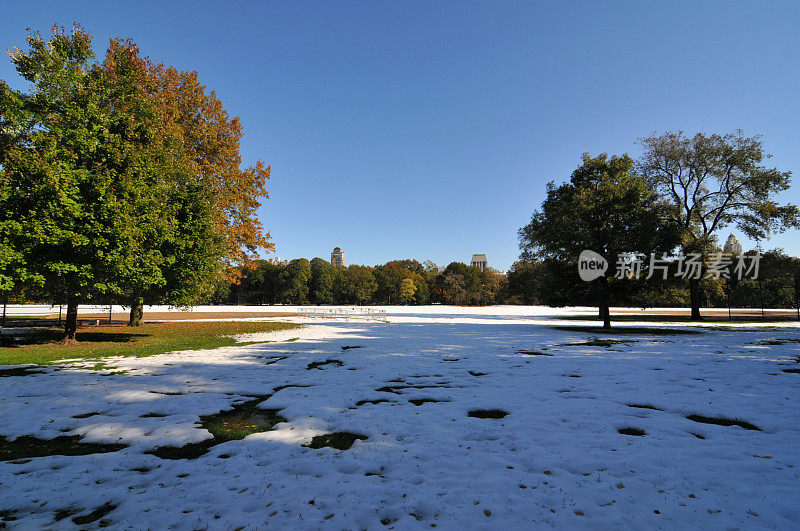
x,y
428,129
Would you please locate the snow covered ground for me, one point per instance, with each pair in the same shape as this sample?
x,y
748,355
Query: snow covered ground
x,y
557,458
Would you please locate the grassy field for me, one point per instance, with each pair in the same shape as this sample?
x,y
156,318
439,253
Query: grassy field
x,y
42,346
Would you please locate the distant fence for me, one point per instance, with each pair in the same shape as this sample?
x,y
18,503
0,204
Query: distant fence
x,y
343,313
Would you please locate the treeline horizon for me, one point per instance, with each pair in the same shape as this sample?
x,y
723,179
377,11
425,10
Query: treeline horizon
x,y
410,282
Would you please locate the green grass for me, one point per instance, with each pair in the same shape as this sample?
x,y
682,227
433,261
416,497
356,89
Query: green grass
x,y
41,347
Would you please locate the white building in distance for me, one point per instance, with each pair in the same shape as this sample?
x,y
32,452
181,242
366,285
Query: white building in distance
x,y
337,257
479,261
732,245
276,260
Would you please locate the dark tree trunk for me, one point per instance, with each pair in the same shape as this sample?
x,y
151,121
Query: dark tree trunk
x,y
694,298
605,303
71,321
137,310
605,314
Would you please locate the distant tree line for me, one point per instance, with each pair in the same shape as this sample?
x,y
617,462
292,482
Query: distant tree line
x,y
396,282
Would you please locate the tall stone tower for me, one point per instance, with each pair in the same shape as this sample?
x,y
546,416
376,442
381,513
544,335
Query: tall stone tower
x,y
479,261
337,257
732,245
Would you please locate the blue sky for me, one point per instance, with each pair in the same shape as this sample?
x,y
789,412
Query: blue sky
x,y
428,130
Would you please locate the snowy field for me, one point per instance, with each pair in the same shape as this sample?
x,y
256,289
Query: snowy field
x,y
556,459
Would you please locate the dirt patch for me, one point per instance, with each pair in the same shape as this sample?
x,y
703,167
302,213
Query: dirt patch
x,y
487,413
348,347
792,371
723,421
473,373
28,446
340,440
645,406
533,353
320,364
420,401
95,515
638,432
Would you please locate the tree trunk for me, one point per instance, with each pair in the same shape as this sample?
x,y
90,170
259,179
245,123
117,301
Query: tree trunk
x,y
605,314
605,303
71,322
694,298
137,309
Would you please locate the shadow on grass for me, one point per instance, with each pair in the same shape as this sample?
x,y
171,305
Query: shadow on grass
x,y
28,446
54,335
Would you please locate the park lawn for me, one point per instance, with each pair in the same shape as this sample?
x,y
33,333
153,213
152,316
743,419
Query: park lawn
x,y
42,347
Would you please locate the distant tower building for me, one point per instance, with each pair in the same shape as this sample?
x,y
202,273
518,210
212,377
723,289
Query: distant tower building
x,y
479,261
337,257
732,245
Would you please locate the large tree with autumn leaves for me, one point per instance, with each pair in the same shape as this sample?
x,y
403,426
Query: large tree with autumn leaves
x,y
119,179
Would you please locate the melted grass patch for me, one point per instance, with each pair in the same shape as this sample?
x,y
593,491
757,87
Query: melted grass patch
x,y
95,515
340,440
241,421
638,432
42,347
420,401
321,364
244,419
645,406
487,413
723,421
28,446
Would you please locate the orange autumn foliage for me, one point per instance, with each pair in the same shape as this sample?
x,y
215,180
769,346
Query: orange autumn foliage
x,y
211,139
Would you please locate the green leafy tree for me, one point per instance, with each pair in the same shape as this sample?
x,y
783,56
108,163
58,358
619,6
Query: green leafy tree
x,y
323,276
357,284
406,291
604,208
66,210
295,279
714,181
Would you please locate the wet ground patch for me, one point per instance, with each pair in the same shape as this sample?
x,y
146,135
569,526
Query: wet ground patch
x,y
420,401
231,425
95,515
86,415
645,406
29,446
638,432
723,421
321,364
487,413
20,371
340,440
